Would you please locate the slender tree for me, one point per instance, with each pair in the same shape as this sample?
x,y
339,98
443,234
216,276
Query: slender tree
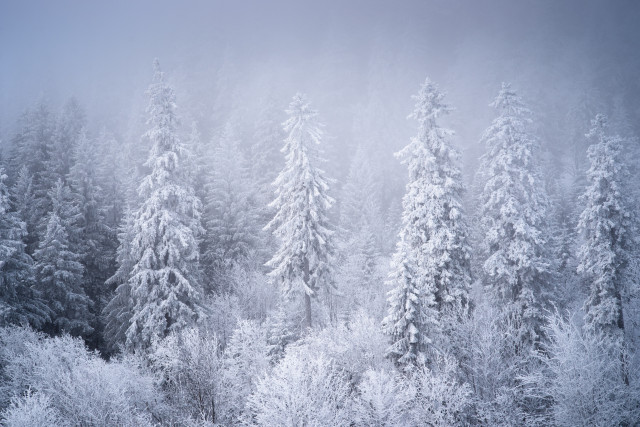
x,y
359,202
20,303
58,268
430,269
24,202
604,226
164,281
119,310
302,264
96,239
231,234
513,206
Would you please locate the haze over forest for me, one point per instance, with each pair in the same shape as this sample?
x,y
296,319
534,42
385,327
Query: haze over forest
x,y
357,212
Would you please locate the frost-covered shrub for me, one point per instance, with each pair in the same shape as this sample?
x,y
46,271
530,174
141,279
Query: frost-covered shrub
x,y
30,360
29,410
257,295
190,365
355,347
80,387
586,378
438,399
97,393
303,389
383,399
246,360
223,313
490,365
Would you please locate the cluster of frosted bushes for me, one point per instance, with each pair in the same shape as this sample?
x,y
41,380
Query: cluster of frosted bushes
x,y
334,377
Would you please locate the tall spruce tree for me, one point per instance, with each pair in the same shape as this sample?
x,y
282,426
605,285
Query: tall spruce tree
x,y
118,312
512,210
20,303
65,138
24,203
58,268
96,240
231,234
359,202
302,264
32,149
430,269
266,160
165,282
604,225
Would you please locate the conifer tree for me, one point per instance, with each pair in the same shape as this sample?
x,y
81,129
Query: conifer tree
x,y
32,148
266,159
20,303
96,241
359,203
513,206
65,138
604,225
25,207
164,281
230,223
58,268
430,269
112,174
302,264
119,310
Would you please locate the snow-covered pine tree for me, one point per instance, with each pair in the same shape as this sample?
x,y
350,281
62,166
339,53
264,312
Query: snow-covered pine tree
x,y
362,233
19,301
24,203
58,268
430,269
512,210
231,223
165,279
113,175
359,203
302,264
119,310
96,239
604,226
32,148
200,166
266,160
65,138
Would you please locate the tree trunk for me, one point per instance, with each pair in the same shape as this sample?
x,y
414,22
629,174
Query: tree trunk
x,y
307,297
307,309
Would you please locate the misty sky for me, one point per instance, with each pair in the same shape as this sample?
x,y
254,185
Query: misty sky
x,y
342,53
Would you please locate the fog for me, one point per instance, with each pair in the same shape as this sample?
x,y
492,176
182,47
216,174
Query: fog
x,y
345,55
329,213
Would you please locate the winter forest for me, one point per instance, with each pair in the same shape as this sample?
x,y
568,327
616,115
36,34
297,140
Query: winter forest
x,y
289,213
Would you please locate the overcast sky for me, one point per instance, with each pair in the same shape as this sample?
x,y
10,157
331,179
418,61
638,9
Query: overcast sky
x,y
101,51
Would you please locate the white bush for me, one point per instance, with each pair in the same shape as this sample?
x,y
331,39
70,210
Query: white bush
x,y
246,360
302,390
355,347
79,386
439,399
190,364
383,399
587,378
30,410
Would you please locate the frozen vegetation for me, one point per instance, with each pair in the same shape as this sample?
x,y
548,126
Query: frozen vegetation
x,y
237,254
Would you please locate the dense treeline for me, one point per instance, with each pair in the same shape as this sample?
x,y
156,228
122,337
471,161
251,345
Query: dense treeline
x,y
233,281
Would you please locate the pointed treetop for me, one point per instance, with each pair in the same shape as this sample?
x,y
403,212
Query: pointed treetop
x,y
429,103
599,126
508,102
299,107
157,71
